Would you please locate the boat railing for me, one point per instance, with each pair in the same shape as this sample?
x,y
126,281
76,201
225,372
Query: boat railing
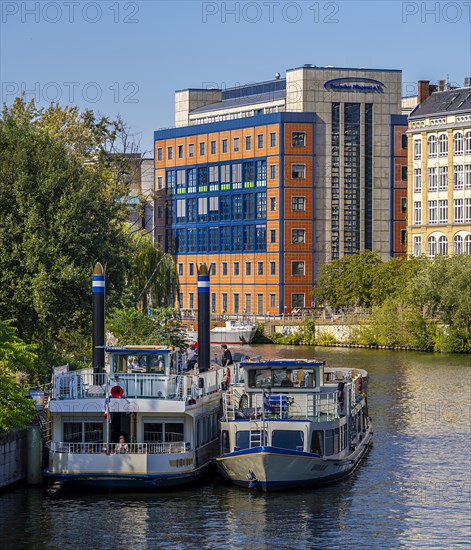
x,y
114,448
277,406
85,384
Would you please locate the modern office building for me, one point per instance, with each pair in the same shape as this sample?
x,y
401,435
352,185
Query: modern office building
x,y
439,189
268,181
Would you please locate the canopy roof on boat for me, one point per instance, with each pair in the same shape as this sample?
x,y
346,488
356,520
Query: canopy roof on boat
x,y
135,350
282,364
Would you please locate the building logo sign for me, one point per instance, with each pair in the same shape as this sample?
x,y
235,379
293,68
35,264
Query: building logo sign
x,y
354,84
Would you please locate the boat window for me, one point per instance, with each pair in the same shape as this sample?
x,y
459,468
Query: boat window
x,y
83,432
329,442
259,378
160,432
224,442
288,439
283,378
242,440
317,442
153,432
246,439
173,432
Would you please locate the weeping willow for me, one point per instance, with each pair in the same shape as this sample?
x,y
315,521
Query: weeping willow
x,y
153,277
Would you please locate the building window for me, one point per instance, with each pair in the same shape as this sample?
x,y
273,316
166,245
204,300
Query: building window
x,y
191,268
191,150
417,212
297,268
458,211
260,141
272,268
298,139
403,204
213,147
224,145
432,247
272,171
248,303
180,300
180,269
458,143
272,139
403,236
458,179
202,148
236,144
272,300
272,236
159,182
417,149
259,268
297,236
236,268
213,302
298,204
212,269
467,176
443,178
272,204
297,300
443,245
224,268
248,143
467,244
248,268
159,153
236,303
432,179
170,153
180,151
404,172
224,302
443,211
467,210
432,212
432,146
417,250
404,141
443,145
457,244
191,300
417,180
467,143
159,211
298,171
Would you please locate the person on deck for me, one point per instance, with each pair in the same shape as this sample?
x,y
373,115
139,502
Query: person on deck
x,y
226,356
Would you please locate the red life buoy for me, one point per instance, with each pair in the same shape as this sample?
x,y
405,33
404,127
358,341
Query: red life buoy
x,y
228,377
117,391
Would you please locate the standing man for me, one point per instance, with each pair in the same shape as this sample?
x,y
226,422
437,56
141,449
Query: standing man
x,y
226,356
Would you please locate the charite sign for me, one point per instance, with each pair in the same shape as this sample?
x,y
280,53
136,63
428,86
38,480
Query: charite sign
x,y
354,84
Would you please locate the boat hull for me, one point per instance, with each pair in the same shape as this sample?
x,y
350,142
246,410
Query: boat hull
x,y
271,468
126,481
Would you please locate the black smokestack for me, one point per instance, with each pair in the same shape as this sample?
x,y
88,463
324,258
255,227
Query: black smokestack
x,y
98,292
203,318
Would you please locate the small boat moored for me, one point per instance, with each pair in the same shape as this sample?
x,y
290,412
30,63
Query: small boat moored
x,y
293,423
233,332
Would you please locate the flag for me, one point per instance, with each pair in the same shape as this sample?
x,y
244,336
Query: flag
x,y
107,413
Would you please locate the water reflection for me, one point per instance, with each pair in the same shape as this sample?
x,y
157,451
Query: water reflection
x,y
412,490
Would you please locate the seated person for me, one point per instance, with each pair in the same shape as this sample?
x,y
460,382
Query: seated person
x,y
122,446
191,357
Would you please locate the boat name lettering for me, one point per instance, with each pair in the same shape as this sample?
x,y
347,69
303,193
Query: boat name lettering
x,y
180,462
319,467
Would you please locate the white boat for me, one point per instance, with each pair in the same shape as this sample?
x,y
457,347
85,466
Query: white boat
x,y
293,423
233,332
169,420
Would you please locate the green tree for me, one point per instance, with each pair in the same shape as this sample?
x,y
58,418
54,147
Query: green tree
x,y
16,409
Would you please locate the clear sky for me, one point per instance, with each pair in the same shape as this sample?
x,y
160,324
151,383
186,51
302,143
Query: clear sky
x,y
129,57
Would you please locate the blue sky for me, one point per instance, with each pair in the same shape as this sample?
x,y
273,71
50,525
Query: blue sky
x,y
129,57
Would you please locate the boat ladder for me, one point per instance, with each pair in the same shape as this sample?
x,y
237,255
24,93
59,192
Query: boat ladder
x,y
258,433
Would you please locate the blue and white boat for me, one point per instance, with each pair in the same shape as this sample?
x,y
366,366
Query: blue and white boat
x,y
293,423
170,421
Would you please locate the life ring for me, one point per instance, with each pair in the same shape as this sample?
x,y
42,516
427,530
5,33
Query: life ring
x,y
228,377
360,384
117,391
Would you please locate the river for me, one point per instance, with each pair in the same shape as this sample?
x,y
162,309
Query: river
x,y
411,491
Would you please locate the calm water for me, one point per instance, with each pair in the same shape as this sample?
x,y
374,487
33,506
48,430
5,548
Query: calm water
x,y
412,490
